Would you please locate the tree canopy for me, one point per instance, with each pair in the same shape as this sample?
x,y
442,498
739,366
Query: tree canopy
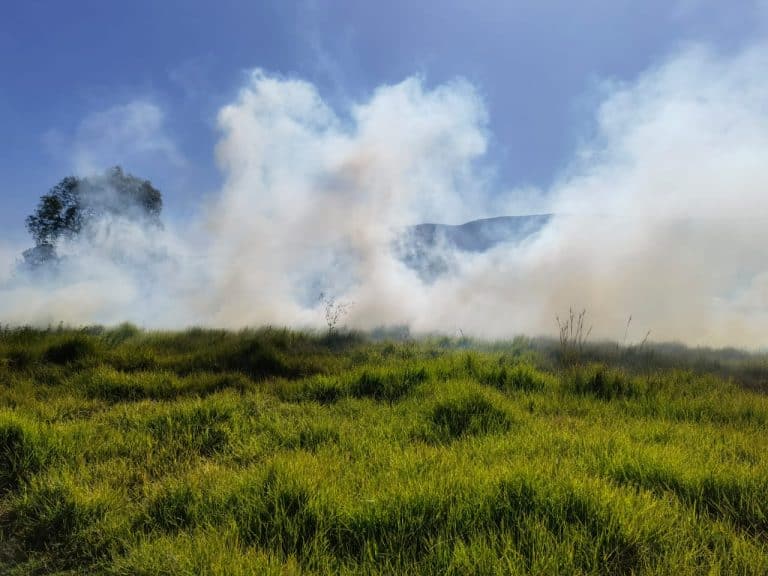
x,y
75,203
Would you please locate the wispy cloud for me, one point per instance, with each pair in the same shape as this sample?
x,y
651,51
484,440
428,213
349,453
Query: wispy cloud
x,y
132,134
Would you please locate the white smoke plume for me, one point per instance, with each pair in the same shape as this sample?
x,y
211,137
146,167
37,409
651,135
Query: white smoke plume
x,y
663,215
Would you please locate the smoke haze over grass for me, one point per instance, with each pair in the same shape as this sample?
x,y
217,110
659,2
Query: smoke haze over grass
x,y
661,214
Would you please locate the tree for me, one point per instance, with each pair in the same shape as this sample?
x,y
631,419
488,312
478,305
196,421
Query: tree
x,y
57,213
75,203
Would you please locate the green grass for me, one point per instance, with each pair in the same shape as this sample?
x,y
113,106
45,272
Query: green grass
x,y
278,452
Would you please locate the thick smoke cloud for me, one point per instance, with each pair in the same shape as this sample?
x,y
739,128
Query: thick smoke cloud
x,y
662,215
314,201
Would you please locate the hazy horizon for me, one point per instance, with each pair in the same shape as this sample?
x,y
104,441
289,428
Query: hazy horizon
x,y
292,177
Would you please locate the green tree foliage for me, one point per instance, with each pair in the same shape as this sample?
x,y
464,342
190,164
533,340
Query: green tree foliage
x,y
57,213
74,203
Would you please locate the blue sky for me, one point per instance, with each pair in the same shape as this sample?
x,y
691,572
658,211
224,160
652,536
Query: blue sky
x,y
72,72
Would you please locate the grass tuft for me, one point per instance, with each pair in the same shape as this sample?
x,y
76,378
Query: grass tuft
x,y
23,452
76,349
200,429
467,415
387,385
521,377
602,382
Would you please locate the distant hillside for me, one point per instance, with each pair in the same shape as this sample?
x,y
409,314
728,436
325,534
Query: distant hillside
x,y
426,248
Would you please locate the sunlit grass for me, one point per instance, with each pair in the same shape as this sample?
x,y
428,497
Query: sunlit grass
x,y
276,452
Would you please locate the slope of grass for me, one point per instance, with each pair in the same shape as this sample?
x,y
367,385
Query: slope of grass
x,y
277,452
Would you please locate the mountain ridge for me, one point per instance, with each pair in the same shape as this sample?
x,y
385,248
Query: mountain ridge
x,y
426,247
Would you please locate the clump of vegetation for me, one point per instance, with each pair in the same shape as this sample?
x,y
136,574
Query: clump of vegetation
x,y
602,382
200,429
467,415
334,311
121,333
23,452
271,452
320,389
72,207
523,377
116,386
312,437
69,527
387,385
72,350
573,335
323,389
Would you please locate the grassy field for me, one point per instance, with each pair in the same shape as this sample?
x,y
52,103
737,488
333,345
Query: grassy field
x,y
277,452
